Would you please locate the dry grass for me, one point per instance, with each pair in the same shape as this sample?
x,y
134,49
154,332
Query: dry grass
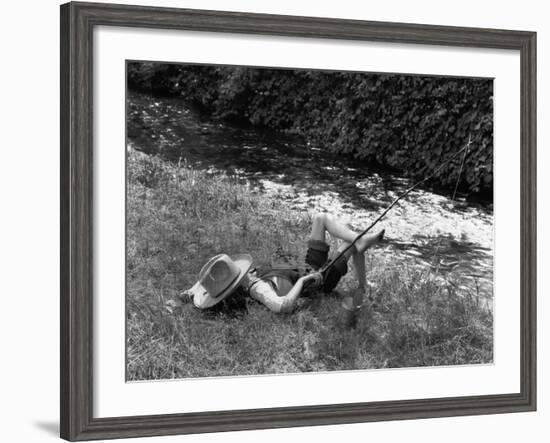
x,y
179,217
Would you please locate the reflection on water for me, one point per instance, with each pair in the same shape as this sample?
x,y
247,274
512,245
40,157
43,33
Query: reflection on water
x,y
429,227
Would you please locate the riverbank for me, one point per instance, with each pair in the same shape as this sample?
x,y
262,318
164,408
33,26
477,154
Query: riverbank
x,y
179,216
410,123
427,228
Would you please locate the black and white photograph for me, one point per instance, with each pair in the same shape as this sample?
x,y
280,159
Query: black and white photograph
x,y
283,220
228,221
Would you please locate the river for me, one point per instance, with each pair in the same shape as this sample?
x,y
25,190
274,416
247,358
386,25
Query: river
x,y
426,228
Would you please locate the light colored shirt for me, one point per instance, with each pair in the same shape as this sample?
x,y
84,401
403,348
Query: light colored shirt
x,y
271,292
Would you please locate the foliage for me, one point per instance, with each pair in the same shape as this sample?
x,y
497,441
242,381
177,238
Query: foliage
x,y
412,123
178,217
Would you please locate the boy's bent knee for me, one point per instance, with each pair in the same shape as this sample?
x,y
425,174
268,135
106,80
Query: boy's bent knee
x,y
319,217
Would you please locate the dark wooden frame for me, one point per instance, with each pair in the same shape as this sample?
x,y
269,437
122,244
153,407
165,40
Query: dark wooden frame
x,y
77,23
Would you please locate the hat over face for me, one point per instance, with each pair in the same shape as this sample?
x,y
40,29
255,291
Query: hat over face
x,y
218,278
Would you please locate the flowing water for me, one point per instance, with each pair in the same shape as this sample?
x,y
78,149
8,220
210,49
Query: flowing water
x,y
426,228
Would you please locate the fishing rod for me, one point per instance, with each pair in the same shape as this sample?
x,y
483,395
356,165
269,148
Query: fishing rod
x,y
330,264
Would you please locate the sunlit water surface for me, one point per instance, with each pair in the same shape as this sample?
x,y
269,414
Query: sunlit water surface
x,y
428,229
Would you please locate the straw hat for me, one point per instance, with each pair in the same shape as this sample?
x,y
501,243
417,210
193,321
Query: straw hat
x,y
218,278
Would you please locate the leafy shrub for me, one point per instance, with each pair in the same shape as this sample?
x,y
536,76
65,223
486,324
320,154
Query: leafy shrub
x,y
412,123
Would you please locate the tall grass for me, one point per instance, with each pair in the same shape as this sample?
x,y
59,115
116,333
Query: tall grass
x,y
179,217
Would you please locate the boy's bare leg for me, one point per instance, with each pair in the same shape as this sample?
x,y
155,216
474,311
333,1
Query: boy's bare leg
x,y
360,271
327,223
318,227
323,223
352,303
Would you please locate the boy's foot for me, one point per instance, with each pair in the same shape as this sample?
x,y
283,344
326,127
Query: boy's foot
x,y
347,317
367,241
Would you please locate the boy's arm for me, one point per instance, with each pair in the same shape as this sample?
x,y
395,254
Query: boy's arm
x,y
263,292
294,293
289,300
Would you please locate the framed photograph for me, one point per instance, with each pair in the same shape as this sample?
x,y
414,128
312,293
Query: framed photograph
x,y
272,221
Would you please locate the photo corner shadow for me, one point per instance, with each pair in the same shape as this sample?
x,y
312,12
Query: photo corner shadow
x,y
48,427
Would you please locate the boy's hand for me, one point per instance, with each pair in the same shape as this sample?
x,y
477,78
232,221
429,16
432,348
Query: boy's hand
x,y
347,317
315,280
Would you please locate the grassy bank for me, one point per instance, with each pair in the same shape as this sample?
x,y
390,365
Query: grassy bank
x,y
179,217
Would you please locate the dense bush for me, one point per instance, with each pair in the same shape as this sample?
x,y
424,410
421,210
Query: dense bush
x,y
409,122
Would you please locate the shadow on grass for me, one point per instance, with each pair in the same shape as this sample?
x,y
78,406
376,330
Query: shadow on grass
x,y
178,217
446,253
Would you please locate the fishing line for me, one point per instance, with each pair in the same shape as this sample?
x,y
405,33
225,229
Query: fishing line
x,y
436,253
331,263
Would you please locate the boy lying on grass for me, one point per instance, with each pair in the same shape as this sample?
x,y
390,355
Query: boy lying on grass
x,y
280,288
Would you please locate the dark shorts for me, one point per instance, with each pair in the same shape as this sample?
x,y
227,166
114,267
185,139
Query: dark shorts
x,y
317,255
